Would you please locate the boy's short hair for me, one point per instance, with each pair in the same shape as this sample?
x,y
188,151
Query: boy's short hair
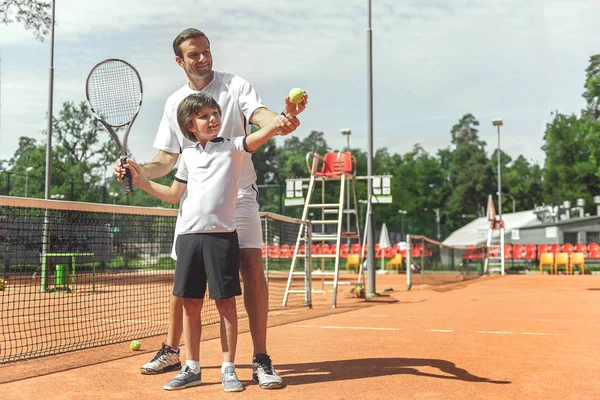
x,y
187,34
191,106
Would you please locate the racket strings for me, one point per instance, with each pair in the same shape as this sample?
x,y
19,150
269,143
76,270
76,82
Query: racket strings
x,y
115,92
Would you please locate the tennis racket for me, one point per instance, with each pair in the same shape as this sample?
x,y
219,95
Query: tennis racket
x,y
114,93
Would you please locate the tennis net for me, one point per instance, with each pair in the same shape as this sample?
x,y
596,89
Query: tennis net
x,y
80,275
434,263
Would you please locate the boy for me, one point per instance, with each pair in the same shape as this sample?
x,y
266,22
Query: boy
x,y
207,244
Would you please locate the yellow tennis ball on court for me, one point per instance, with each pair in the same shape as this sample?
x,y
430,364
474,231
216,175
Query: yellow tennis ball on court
x,y
135,345
2,284
296,95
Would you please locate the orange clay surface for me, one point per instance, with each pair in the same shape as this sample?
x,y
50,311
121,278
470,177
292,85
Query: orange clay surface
x,y
512,337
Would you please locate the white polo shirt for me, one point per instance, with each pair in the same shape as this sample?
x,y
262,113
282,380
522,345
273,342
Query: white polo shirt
x,y
212,175
238,101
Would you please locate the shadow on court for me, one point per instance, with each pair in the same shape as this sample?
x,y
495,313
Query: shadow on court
x,y
342,370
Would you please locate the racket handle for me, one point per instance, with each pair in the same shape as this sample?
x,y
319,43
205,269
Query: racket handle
x,y
127,186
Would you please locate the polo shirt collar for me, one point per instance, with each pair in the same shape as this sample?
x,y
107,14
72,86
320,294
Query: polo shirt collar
x,y
215,140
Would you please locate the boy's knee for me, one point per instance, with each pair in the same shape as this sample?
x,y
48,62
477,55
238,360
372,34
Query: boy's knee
x,y
191,306
225,305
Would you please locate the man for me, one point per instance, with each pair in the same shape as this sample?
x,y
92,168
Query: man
x,y
241,107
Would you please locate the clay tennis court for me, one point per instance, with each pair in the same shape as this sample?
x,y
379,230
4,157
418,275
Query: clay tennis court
x,y
512,337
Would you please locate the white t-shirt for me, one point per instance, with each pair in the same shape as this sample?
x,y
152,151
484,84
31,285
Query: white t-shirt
x,y
238,101
212,176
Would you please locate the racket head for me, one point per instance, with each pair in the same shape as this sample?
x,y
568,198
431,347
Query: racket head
x,y
114,92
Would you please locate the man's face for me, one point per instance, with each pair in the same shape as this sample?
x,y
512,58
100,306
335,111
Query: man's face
x,y
206,124
196,58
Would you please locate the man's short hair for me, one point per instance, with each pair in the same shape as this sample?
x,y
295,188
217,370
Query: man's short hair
x,y
186,34
191,106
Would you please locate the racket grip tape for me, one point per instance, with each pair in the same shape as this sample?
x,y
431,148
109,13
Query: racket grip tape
x,y
127,185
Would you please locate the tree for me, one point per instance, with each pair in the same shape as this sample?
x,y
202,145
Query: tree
x,y
592,88
469,172
33,14
79,153
571,168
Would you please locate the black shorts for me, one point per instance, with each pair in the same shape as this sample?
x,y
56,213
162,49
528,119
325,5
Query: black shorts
x,y
212,258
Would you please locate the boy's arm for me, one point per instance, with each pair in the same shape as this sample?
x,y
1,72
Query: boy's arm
x,y
170,194
161,165
262,116
271,128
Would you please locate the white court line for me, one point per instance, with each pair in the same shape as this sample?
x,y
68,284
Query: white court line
x,y
347,327
283,313
440,330
521,333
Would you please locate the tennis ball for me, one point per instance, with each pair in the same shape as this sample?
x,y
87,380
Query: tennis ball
x,y
2,284
135,345
296,95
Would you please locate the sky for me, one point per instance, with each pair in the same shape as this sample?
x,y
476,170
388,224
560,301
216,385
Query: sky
x,y
433,61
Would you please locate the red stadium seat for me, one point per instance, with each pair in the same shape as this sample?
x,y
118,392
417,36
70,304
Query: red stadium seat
x,y
593,246
274,252
543,248
582,248
518,252
595,254
355,249
333,248
568,248
555,248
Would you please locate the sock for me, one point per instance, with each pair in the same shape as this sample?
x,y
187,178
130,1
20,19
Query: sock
x,y
194,365
225,365
169,348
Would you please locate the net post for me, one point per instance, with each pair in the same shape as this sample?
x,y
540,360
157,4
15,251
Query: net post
x,y
308,265
45,248
266,242
408,263
502,249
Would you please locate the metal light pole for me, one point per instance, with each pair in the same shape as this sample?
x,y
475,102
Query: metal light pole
x,y
402,214
27,179
48,180
346,132
370,237
50,102
511,197
498,122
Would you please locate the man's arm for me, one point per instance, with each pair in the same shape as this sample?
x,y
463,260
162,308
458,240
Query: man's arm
x,y
161,165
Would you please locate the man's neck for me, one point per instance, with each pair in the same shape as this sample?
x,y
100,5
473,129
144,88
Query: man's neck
x,y
200,83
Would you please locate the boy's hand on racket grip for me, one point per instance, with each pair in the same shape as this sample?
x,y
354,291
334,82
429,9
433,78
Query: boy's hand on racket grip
x,y
119,171
136,172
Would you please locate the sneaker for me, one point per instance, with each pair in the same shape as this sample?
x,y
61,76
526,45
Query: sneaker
x,y
231,383
264,374
184,379
166,359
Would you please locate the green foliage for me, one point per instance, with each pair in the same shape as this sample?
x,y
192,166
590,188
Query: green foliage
x,y
456,180
33,14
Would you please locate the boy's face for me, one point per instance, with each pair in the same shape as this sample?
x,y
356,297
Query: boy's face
x,y
206,124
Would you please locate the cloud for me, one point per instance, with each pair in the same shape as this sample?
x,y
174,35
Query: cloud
x,y
433,61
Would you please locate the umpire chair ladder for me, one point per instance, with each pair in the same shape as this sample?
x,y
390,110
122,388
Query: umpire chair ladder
x,y
332,168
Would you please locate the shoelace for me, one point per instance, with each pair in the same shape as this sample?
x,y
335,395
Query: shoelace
x,y
266,367
160,353
184,372
230,376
